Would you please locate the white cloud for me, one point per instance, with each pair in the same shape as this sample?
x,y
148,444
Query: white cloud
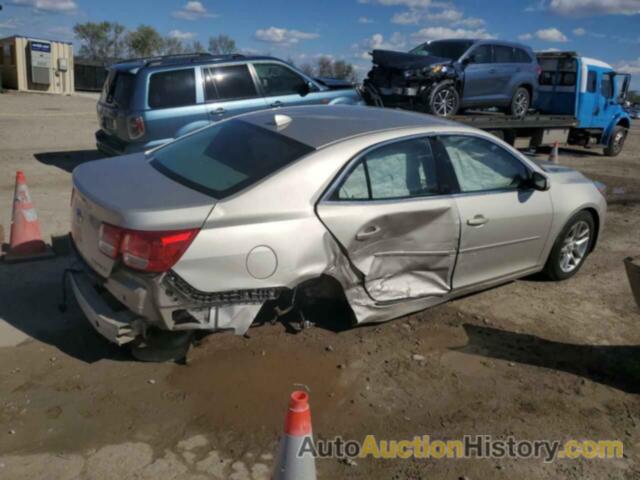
x,y
595,7
408,17
551,35
525,37
435,33
193,10
449,16
180,35
49,5
365,20
404,3
283,36
471,22
579,31
10,24
377,41
628,66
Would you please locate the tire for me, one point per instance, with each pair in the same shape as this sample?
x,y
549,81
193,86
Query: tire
x,y
520,103
444,99
559,266
616,142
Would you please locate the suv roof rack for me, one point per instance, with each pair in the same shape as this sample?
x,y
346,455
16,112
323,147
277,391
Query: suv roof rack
x,y
183,58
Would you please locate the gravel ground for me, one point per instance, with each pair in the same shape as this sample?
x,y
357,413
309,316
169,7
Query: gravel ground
x,y
531,359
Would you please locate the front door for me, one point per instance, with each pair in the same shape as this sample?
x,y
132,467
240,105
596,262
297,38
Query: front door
x,y
391,214
480,75
283,87
230,91
605,101
504,227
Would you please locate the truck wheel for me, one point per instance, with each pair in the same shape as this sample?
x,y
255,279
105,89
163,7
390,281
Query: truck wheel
x,y
444,100
571,247
520,103
616,143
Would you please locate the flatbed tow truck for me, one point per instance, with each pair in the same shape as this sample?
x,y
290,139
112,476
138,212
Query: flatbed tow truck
x,y
580,102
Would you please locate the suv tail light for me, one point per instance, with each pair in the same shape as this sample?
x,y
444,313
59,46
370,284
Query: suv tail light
x,y
146,251
135,127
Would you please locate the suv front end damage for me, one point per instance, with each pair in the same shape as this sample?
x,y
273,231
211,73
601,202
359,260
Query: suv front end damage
x,y
406,80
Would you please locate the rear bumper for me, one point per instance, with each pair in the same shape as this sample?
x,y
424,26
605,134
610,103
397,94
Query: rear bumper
x,y
114,146
117,326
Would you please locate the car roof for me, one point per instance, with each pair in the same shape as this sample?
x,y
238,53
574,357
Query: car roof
x,y
322,125
192,59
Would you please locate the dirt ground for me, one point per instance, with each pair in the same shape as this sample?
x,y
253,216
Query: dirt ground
x,y
531,359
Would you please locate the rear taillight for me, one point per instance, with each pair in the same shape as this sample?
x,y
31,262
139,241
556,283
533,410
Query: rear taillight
x,y
109,240
147,251
135,126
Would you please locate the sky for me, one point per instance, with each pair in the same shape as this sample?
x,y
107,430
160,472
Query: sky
x,y
347,29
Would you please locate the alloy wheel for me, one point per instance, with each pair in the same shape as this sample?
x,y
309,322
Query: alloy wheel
x,y
521,104
575,245
444,102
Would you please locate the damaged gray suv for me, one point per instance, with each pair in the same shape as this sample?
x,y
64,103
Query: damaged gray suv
x,y
389,211
442,77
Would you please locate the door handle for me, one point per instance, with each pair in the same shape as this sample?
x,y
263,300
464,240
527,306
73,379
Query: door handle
x,y
218,111
368,232
477,221
277,104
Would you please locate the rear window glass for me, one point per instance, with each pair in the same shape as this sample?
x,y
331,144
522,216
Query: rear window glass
x,y
172,89
228,83
118,88
522,56
503,54
227,157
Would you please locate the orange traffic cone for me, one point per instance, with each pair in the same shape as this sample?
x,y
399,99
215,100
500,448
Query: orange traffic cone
x,y
553,156
26,240
295,459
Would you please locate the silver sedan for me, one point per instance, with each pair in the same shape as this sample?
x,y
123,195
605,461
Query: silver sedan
x,y
391,211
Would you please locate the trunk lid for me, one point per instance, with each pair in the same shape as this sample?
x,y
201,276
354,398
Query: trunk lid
x,y
404,61
128,192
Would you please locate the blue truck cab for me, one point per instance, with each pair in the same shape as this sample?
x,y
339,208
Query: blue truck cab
x,y
148,102
589,90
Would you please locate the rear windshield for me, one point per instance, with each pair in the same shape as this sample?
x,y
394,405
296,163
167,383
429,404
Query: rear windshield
x,y
452,50
228,157
118,88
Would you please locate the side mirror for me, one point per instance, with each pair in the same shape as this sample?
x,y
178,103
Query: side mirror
x,y
539,182
468,60
305,89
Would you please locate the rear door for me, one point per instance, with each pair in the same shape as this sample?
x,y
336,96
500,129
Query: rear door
x,y
480,75
282,86
506,72
114,103
230,90
504,227
173,103
392,215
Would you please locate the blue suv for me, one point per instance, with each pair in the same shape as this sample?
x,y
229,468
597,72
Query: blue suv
x,y
148,102
442,77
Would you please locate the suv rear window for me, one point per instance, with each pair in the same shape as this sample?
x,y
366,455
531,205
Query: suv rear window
x,y
229,83
172,89
228,157
118,88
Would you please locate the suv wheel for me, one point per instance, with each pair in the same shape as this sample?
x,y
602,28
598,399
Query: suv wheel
x,y
444,100
571,248
520,103
618,136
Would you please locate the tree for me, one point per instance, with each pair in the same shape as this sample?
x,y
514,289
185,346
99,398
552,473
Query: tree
x,y
308,69
325,67
344,70
634,96
102,42
144,41
196,47
173,46
222,45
